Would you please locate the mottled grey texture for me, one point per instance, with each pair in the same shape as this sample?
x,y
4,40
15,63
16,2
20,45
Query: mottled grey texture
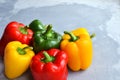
x,y
67,17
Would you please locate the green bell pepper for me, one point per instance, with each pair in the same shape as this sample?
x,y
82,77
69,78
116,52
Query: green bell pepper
x,y
46,39
36,25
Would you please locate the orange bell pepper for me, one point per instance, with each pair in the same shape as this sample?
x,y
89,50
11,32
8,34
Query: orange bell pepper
x,y
78,45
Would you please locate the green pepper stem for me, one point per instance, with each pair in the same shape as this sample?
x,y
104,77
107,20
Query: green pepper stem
x,y
48,31
73,37
48,58
92,35
49,27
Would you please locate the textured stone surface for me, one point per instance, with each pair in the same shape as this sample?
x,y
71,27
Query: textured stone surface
x,y
99,16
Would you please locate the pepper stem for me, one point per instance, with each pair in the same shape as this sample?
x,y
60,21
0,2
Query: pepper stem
x,y
26,27
73,37
22,51
23,30
48,31
92,35
48,58
28,47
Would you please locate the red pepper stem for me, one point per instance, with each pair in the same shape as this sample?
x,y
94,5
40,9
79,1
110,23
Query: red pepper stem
x,y
92,35
23,30
73,37
26,27
48,58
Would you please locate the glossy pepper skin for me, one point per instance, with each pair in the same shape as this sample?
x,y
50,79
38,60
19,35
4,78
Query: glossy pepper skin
x,y
46,39
78,45
17,59
50,65
15,31
36,25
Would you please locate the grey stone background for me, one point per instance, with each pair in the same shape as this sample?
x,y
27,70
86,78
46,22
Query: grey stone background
x,y
99,16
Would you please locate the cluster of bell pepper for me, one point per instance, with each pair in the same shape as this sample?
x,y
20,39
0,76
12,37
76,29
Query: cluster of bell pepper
x,y
47,53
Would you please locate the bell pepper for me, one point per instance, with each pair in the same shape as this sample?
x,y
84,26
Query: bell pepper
x,y
49,65
15,31
44,40
36,25
78,45
17,59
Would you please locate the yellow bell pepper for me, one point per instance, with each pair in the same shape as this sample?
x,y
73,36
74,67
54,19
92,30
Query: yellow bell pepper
x,y
78,45
17,59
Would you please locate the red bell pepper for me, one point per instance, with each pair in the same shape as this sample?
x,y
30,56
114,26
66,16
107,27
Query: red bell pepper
x,y
15,31
49,65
